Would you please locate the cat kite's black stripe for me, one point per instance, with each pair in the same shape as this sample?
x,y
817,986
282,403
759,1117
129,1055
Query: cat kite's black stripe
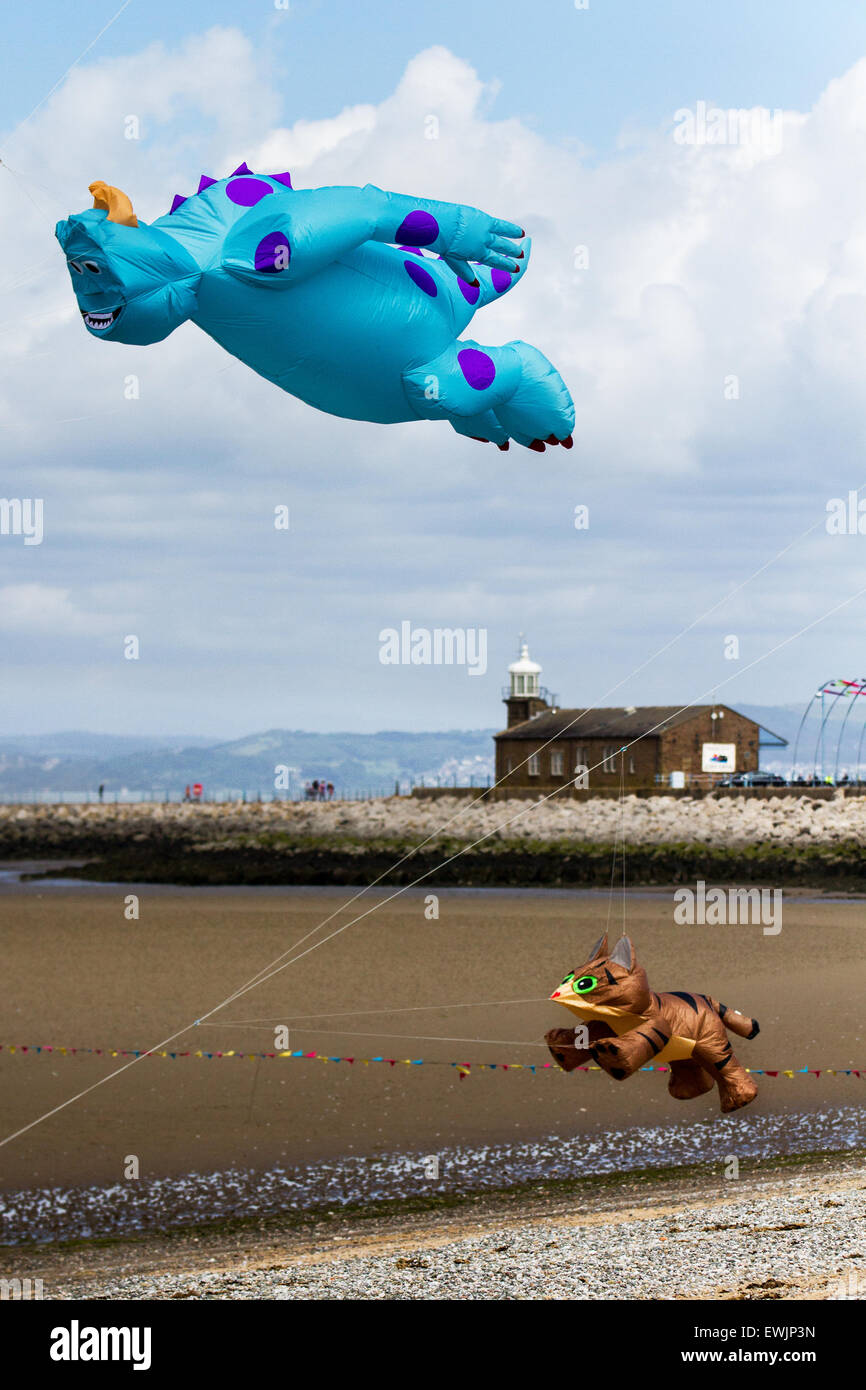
x,y
689,998
656,1046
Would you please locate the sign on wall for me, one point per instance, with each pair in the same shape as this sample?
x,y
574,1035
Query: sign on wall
x,y
718,757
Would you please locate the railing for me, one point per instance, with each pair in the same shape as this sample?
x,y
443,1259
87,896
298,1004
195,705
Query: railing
x,y
542,693
159,796
232,795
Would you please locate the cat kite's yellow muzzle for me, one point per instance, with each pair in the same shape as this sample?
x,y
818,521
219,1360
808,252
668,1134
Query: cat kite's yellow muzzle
x,y
115,202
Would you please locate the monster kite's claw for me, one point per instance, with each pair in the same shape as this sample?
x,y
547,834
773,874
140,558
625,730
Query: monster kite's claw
x,y
504,446
537,445
480,440
567,443
551,439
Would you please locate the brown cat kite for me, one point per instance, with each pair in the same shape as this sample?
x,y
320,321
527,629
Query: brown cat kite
x,y
629,1025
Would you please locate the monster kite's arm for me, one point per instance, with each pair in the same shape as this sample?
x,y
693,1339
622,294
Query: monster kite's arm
x,y
459,233
322,224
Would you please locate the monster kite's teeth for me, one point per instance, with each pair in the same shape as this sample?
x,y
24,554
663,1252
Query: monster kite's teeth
x,y
100,321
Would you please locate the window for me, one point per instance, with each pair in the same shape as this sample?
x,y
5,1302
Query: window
x,y
556,764
507,765
608,758
631,767
534,767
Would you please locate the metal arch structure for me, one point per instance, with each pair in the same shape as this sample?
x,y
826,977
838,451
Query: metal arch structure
x,y
819,741
861,690
860,751
817,696
836,688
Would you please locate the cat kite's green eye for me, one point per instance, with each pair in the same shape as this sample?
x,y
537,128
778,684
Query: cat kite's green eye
x,y
569,976
585,984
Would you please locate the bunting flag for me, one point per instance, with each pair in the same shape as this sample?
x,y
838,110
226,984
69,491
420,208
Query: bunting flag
x,y
463,1069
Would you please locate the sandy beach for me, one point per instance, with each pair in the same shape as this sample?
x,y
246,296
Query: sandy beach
x,y
228,1138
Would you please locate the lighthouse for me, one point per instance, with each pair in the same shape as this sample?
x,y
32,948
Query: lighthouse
x,y
524,696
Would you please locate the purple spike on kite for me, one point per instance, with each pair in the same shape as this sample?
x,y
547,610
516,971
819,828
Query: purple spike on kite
x,y
204,182
176,202
283,178
241,169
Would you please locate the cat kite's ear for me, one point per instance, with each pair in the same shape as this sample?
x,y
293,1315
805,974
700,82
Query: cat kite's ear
x,y
599,949
623,953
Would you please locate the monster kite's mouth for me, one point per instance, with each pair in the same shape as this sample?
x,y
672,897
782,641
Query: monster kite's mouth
x,y
99,320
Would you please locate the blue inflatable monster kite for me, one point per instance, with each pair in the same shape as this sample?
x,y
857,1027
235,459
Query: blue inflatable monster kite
x,y
329,294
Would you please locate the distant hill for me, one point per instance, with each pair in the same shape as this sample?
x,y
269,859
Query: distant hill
x,y
358,764
355,763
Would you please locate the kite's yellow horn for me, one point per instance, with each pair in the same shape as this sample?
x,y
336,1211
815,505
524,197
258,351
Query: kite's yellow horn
x,y
115,203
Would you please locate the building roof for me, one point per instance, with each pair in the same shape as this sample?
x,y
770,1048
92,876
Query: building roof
x,y
616,723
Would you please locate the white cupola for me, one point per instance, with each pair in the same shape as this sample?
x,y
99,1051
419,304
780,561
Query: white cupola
x,y
523,673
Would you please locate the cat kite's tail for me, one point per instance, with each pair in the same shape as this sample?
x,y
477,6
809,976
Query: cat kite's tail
x,y
734,1021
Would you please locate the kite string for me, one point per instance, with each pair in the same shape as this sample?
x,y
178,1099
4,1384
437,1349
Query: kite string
x,y
356,1013
407,1037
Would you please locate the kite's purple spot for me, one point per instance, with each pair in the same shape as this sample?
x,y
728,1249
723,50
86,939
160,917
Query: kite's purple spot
x,y
247,192
470,292
501,280
422,278
418,229
205,182
283,178
477,368
273,253
176,202
241,169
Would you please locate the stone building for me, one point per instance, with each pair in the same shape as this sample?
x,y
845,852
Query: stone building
x,y
545,747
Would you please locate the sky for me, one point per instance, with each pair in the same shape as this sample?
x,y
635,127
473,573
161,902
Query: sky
x,y
703,300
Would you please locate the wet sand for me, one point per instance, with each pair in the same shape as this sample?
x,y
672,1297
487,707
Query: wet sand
x,y
78,974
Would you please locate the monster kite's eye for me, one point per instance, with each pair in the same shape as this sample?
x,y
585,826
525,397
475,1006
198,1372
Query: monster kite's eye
x,y
569,976
92,267
73,265
585,984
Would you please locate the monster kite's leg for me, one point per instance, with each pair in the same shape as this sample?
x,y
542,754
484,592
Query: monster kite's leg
x,y
515,384
623,1056
689,1079
485,428
541,408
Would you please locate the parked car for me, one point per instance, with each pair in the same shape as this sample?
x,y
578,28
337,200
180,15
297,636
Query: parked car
x,y
754,779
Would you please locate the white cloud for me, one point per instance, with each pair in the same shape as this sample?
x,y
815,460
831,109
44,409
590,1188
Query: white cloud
x,y
43,609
